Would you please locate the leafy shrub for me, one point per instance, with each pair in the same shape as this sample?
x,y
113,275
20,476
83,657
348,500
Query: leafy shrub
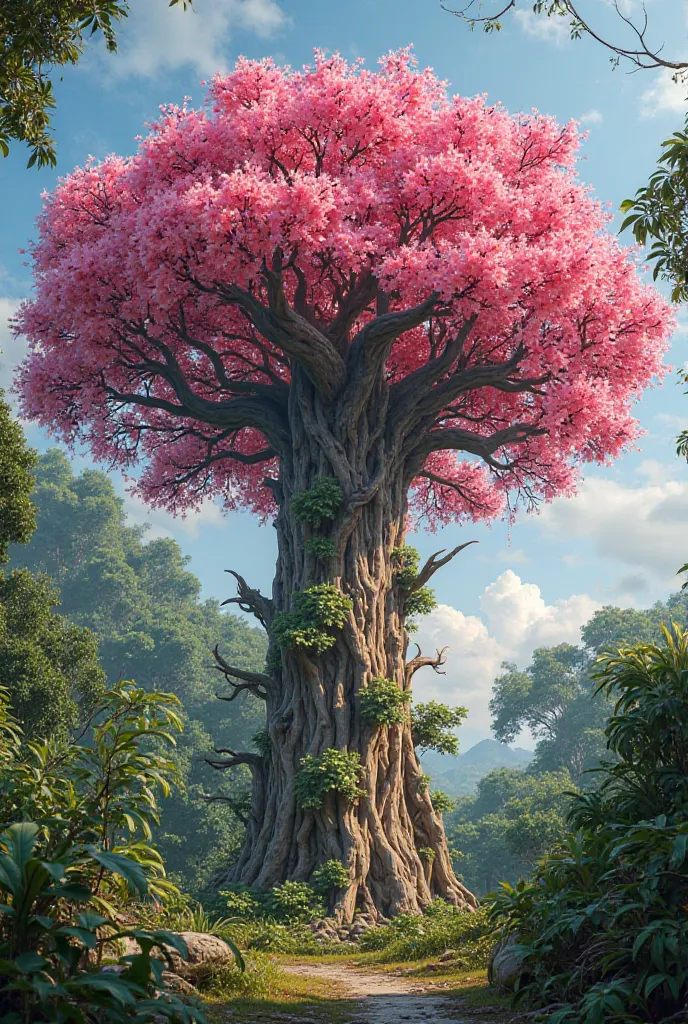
x,y
261,979
261,741
405,565
293,902
431,724
332,875
320,547
426,853
315,612
320,503
383,703
442,803
417,600
84,851
333,770
602,926
442,927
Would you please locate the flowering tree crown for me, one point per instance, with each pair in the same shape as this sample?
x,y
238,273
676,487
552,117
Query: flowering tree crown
x,y
348,226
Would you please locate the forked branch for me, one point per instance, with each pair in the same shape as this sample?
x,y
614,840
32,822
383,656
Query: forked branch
x,y
434,563
250,600
257,683
423,661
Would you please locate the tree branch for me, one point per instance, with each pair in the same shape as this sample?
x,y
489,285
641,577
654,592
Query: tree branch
x,y
291,332
250,600
254,761
371,347
257,682
477,444
434,563
422,661
643,58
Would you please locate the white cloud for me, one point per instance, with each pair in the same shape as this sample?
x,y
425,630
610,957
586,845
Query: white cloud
x,y
163,524
552,30
664,96
643,526
591,117
159,38
518,621
11,350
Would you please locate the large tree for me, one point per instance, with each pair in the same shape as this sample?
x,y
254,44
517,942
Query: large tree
x,y
340,298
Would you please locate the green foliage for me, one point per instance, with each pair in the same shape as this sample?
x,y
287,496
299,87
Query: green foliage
x,y
320,547
442,927
315,612
383,703
441,802
513,820
602,926
405,565
331,876
418,600
422,782
431,726
49,665
657,212
292,902
35,37
426,853
261,741
333,770
320,503
554,698
143,605
76,844
17,462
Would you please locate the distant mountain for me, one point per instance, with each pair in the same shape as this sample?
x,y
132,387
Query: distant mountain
x,y
459,776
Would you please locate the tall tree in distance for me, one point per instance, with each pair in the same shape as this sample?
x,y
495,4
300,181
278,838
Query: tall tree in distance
x,y
340,297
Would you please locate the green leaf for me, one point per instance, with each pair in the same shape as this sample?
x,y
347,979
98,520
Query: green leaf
x,y
27,963
120,865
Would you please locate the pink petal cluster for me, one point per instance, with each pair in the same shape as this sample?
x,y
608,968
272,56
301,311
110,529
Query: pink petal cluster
x,y
345,171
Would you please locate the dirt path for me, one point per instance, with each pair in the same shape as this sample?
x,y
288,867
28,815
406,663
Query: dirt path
x,y
393,999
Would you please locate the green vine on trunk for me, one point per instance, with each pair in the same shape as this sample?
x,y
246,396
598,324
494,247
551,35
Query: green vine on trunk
x,y
331,876
417,600
335,770
320,547
383,703
315,612
320,503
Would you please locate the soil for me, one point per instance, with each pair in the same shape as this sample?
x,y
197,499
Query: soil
x,y
391,998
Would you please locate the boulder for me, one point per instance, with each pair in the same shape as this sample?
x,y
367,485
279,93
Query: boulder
x,y
505,964
202,948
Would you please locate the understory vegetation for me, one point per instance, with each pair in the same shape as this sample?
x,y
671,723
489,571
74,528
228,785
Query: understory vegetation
x,y
116,826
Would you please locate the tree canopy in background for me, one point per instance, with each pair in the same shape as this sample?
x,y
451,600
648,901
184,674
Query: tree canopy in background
x,y
36,38
17,462
144,609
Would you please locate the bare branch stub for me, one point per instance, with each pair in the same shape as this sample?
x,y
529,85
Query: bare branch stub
x,y
258,683
250,600
423,661
253,761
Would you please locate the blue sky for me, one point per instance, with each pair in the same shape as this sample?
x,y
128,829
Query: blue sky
x,y
621,539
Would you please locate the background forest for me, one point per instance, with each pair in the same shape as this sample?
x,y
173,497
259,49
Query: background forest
x,y
89,601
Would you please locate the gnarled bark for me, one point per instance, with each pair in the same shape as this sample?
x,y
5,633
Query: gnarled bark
x,y
313,700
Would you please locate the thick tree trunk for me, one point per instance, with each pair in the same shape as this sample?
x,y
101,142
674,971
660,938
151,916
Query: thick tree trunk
x,y
314,701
